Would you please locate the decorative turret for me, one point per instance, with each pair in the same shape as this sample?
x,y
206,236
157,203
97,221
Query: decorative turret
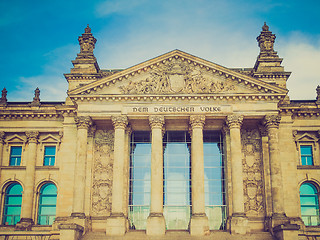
x,y
36,99
3,100
268,65
85,67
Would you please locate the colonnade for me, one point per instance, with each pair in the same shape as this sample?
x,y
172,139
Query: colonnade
x,y
117,223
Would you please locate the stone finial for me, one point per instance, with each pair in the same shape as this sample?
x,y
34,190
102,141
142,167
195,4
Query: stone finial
x,y
36,99
318,94
3,99
87,44
266,41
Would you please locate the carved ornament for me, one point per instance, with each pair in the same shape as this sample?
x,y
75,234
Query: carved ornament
x,y
2,136
252,172
234,121
176,76
102,173
120,121
197,121
83,122
272,121
32,136
156,121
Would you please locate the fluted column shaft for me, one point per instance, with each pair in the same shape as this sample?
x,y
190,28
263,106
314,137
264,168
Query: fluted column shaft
x,y
83,124
156,123
271,123
27,210
156,222
197,165
234,123
120,123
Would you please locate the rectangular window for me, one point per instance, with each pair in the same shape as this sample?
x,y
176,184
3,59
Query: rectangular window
x,y
306,155
15,155
49,155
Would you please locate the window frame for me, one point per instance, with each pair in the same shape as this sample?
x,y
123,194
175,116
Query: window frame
x,y
4,200
302,144
13,146
44,155
38,207
317,206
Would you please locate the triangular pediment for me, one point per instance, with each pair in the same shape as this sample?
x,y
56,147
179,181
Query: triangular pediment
x,y
49,139
306,138
15,139
178,73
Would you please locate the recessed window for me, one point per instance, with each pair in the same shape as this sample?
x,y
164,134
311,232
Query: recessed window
x,y
309,204
306,155
15,155
47,204
12,204
49,155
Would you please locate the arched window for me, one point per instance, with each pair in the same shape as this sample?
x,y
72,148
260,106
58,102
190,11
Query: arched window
x,y
309,204
47,204
12,204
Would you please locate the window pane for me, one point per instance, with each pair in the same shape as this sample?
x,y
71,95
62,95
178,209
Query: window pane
x,y
306,150
47,204
309,204
50,150
12,205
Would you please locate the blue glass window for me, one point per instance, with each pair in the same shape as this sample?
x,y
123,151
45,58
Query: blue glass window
x,y
306,155
177,192
214,180
140,174
15,155
49,155
309,204
12,204
47,204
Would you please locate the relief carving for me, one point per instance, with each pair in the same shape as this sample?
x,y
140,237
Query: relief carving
x,y
252,172
176,76
102,172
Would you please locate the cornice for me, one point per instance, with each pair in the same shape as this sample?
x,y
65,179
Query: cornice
x,y
153,63
225,97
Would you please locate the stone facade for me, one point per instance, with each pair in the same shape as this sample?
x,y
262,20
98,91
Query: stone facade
x,y
270,149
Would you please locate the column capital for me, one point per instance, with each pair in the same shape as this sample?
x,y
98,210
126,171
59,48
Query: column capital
x,y
119,121
234,121
156,121
197,121
32,136
83,122
271,121
2,135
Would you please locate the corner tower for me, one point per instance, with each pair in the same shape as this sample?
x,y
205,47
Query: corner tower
x,y
268,64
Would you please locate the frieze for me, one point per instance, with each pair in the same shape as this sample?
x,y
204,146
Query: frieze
x,y
252,172
102,172
176,76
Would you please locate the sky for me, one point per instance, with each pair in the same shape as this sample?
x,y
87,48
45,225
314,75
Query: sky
x,y
39,38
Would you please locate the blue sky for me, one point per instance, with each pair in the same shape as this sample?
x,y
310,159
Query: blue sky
x,y
39,38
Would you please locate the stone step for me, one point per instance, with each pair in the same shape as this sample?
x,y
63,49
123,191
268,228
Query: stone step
x,y
179,235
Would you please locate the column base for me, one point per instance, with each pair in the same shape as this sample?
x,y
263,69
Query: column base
x,y
70,231
239,223
116,225
25,224
199,225
156,224
287,232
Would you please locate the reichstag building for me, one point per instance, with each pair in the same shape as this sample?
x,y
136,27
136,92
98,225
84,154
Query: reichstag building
x,y
174,147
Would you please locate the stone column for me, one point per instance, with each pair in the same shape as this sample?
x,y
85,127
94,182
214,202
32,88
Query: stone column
x,y
117,222
83,124
27,204
156,222
239,221
2,135
199,224
271,123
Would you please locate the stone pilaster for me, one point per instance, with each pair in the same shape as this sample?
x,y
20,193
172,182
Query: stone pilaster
x,y
27,203
239,220
271,123
117,222
199,224
156,222
2,136
83,124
